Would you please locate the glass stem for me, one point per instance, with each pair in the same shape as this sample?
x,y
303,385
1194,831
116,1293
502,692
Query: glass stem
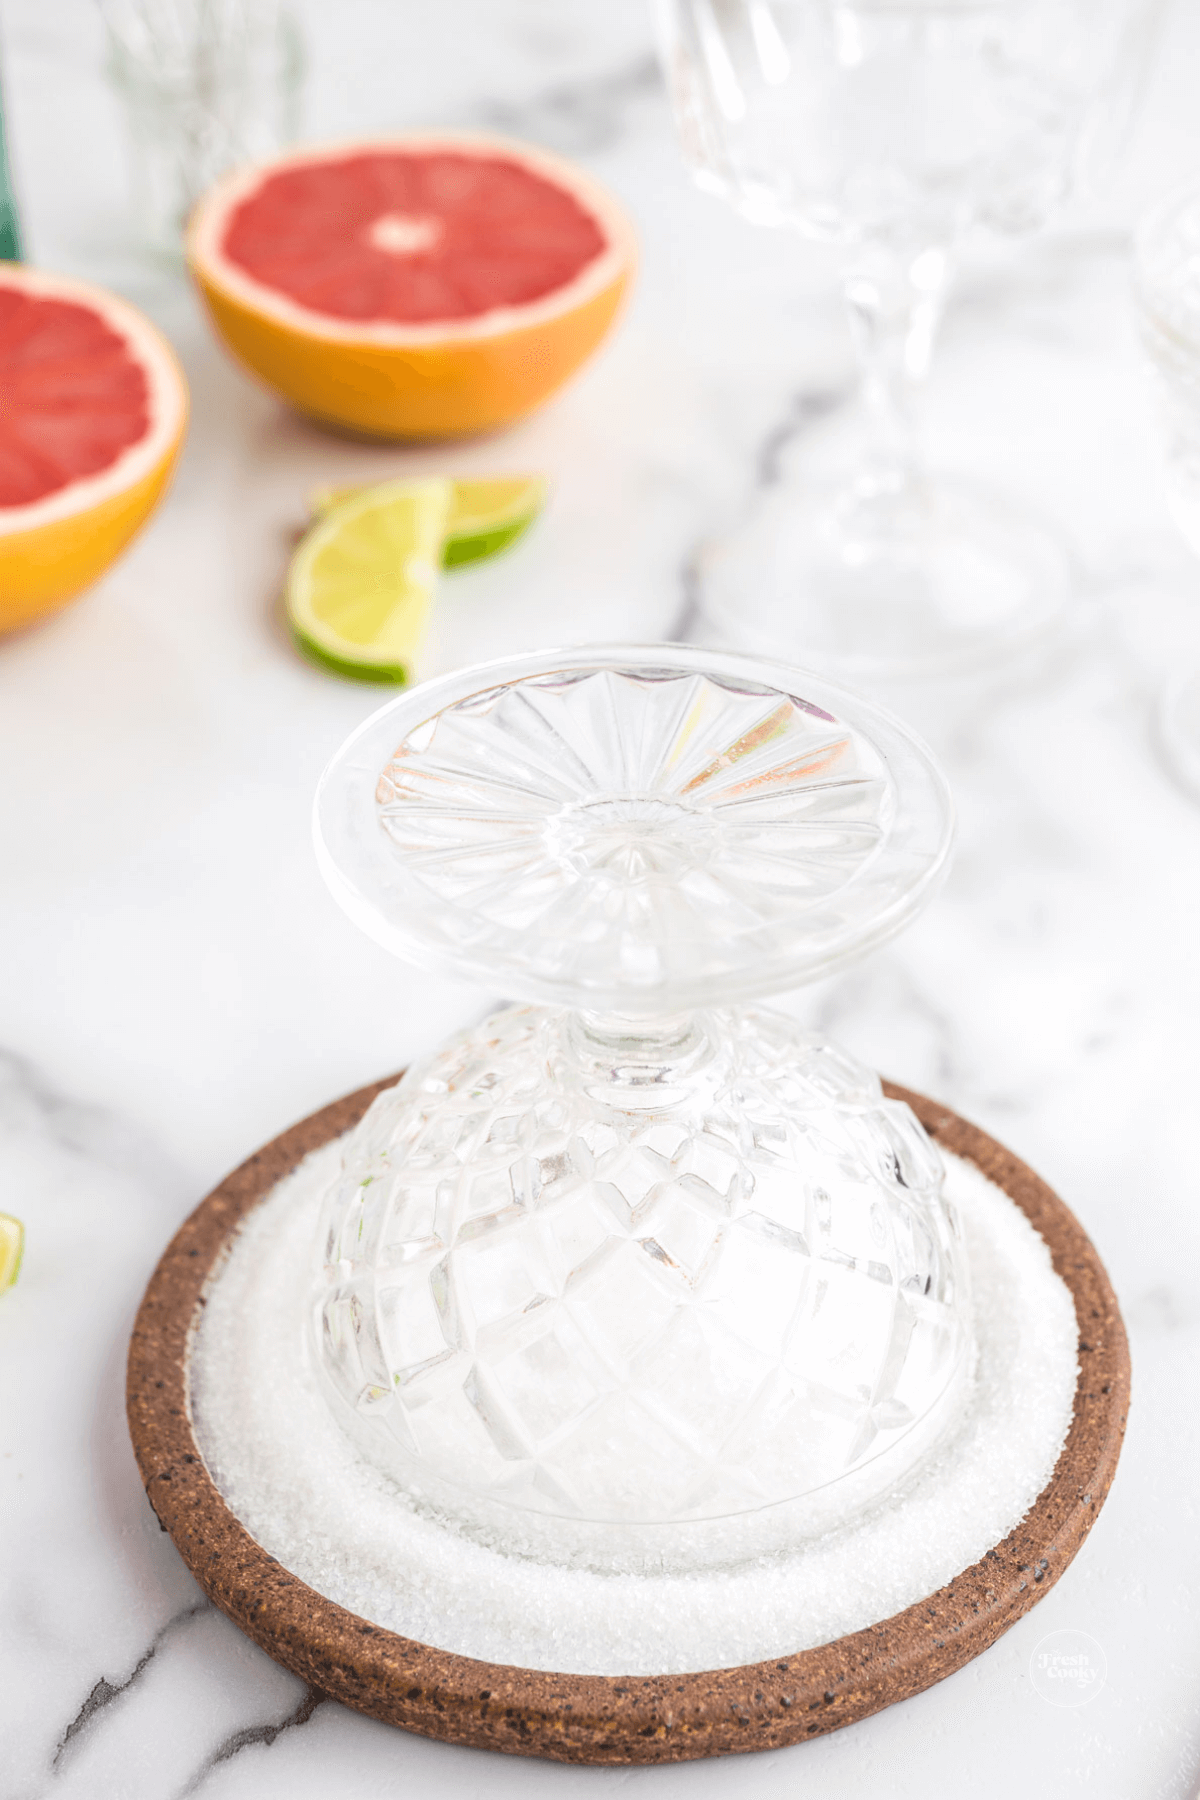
x,y
639,1062
894,300
640,1040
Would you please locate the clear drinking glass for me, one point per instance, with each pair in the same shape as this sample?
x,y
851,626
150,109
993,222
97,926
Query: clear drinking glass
x,y
1167,290
635,1273
892,128
205,84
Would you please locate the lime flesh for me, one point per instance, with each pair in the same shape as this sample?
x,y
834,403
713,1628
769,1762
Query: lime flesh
x,y
484,516
360,584
12,1244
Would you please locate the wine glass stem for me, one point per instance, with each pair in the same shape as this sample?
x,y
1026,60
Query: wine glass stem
x,y
894,301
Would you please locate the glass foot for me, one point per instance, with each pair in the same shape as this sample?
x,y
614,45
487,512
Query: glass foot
x,y
638,831
1179,729
873,588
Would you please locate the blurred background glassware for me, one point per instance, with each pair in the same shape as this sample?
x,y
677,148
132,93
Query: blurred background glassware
x,y
206,84
893,128
1167,293
10,225
634,1271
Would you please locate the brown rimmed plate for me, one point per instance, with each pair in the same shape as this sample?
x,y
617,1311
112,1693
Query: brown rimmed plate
x,y
594,1718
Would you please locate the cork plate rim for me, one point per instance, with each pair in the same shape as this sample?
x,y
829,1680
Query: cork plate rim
x,y
593,1718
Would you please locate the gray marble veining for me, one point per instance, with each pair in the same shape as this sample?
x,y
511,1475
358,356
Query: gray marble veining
x,y
177,986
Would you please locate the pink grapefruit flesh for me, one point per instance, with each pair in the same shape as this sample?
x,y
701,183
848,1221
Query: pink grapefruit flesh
x,y
412,238
92,412
75,396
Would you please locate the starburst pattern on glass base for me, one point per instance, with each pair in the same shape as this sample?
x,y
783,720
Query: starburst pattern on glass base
x,y
639,832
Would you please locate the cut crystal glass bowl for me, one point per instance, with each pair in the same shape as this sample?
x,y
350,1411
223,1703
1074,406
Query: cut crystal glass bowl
x,y
632,1271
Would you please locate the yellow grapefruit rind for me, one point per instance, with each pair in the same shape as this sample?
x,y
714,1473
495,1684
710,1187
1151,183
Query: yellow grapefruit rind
x,y
410,382
52,550
43,569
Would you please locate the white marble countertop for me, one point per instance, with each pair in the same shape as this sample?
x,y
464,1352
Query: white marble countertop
x,y
177,985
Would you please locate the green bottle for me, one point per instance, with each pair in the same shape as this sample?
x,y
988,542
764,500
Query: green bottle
x,y
10,224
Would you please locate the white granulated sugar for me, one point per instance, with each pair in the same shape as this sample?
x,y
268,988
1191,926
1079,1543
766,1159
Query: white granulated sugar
x,y
299,1486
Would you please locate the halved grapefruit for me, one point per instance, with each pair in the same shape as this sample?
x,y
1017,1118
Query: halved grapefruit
x,y
93,407
412,287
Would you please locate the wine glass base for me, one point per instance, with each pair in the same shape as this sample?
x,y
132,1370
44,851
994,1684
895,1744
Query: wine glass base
x,y
950,581
1179,729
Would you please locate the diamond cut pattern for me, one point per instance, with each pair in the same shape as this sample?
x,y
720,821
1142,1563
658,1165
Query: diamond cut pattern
x,y
611,1315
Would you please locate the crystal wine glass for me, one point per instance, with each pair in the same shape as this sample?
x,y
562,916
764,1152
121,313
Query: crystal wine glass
x,y
892,128
634,1273
1167,289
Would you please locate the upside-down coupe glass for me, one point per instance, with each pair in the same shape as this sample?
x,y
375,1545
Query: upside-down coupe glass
x,y
893,128
636,1272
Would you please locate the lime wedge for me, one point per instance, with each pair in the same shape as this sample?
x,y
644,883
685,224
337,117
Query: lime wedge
x,y
360,584
487,516
12,1243
484,517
